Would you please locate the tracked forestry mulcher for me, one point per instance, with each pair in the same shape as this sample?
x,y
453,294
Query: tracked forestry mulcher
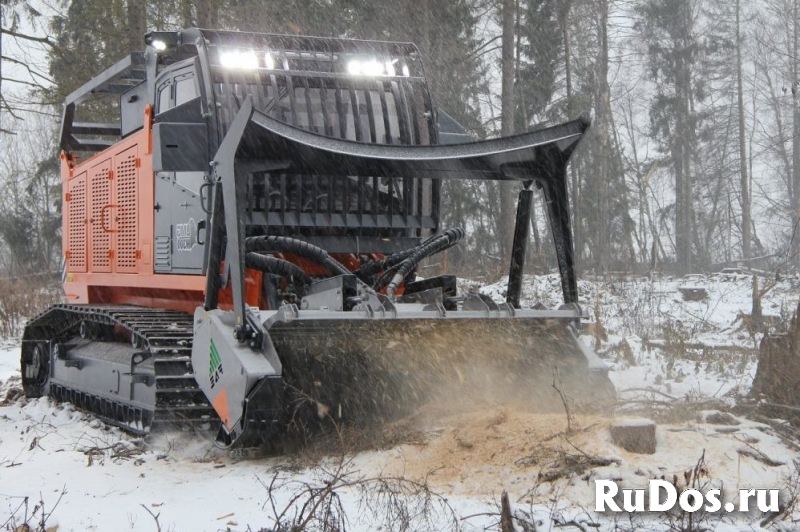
x,y
241,242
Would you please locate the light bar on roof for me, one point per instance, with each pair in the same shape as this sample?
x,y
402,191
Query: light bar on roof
x,y
269,60
238,59
354,67
374,68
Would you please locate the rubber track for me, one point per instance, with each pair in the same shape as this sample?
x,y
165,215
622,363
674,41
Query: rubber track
x,y
167,335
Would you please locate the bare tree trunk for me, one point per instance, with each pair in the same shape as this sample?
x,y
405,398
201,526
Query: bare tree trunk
x,y
187,18
204,15
137,25
682,152
2,23
425,39
519,96
628,224
603,123
645,219
563,21
746,238
795,136
507,210
780,144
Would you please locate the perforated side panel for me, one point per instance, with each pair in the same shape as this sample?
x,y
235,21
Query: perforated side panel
x,y
127,220
100,197
76,225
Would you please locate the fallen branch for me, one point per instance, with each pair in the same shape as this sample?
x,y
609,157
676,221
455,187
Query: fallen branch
x,y
756,454
569,464
154,516
653,391
559,523
782,429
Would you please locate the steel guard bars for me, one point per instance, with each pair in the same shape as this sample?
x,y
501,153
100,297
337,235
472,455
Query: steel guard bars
x,y
256,142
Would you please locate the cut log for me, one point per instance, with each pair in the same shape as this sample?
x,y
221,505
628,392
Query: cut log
x,y
721,418
635,435
693,293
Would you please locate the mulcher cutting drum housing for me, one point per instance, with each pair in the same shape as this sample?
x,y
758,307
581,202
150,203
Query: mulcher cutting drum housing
x,y
240,247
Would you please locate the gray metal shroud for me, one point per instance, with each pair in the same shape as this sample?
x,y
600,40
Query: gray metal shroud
x,y
256,142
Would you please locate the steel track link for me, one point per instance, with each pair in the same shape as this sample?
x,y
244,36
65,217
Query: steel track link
x,y
165,336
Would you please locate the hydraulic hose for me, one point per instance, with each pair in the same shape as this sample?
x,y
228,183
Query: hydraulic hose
x,y
430,246
365,271
277,266
285,244
445,240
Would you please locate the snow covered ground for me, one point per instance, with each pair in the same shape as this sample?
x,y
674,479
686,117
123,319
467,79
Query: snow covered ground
x,y
640,316
692,354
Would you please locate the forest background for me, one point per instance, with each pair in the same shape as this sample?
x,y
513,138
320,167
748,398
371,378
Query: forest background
x,y
692,162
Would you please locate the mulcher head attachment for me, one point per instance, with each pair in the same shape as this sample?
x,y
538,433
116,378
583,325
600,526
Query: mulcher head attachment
x,y
349,353
366,372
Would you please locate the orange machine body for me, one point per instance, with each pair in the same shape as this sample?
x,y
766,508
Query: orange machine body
x,y
108,234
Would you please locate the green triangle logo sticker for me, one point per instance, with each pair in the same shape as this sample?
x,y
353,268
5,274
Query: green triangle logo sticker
x,y
214,365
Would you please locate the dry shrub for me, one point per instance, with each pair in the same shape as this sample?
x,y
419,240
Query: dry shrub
x,y
28,515
22,299
386,502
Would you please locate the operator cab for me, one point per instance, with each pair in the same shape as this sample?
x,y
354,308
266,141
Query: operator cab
x,y
188,87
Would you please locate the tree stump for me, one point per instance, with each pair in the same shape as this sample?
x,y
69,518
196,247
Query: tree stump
x,y
634,435
506,519
693,293
778,375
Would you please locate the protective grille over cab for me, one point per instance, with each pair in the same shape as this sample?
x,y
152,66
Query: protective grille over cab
x,y
372,92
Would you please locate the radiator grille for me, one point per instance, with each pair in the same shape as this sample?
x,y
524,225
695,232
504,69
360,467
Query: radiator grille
x,y
76,225
127,235
100,197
